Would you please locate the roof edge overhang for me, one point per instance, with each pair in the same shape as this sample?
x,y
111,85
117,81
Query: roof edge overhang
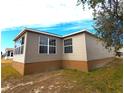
x,y
24,30
9,49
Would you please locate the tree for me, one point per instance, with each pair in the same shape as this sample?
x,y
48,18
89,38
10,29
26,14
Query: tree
x,y
108,16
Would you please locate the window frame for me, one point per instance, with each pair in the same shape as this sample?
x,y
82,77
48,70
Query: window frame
x,y
48,45
55,46
17,50
67,45
42,45
11,54
8,53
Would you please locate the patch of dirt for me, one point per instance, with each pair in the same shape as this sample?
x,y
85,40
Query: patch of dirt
x,y
48,82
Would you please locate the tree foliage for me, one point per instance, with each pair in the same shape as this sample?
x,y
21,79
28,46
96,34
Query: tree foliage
x,y
108,16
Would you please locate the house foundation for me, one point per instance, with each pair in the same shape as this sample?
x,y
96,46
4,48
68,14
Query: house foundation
x,y
37,67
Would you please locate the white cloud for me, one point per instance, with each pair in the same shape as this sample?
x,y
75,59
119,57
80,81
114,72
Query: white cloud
x,y
45,12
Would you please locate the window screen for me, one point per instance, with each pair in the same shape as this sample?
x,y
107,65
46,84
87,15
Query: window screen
x,y
68,46
47,45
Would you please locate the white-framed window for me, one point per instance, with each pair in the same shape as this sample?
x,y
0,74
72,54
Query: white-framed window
x,y
11,54
43,44
19,46
47,45
52,46
8,53
68,46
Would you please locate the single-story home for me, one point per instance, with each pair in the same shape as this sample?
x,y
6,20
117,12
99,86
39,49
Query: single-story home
x,y
119,53
9,53
38,51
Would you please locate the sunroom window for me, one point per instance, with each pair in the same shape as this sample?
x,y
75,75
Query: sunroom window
x,y
19,46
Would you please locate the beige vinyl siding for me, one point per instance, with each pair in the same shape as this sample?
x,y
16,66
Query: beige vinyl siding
x,y
79,48
32,49
85,48
95,48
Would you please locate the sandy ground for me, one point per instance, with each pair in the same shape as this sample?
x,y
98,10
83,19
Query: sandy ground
x,y
6,61
48,82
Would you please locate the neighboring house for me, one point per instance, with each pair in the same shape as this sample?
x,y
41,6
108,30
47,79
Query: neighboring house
x,y
37,51
1,54
8,53
119,53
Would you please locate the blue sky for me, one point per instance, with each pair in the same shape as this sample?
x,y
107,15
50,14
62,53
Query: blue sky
x,y
8,34
44,12
56,16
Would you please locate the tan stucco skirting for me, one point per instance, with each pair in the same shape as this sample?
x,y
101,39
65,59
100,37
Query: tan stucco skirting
x,y
37,67
79,65
42,66
98,63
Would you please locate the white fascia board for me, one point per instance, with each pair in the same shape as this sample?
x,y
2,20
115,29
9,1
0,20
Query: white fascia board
x,y
42,32
75,32
47,33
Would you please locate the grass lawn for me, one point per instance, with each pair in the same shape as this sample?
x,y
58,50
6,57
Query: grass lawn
x,y
107,79
7,71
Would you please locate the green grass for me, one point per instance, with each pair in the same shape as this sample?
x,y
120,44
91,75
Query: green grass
x,y
103,80
107,79
7,72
